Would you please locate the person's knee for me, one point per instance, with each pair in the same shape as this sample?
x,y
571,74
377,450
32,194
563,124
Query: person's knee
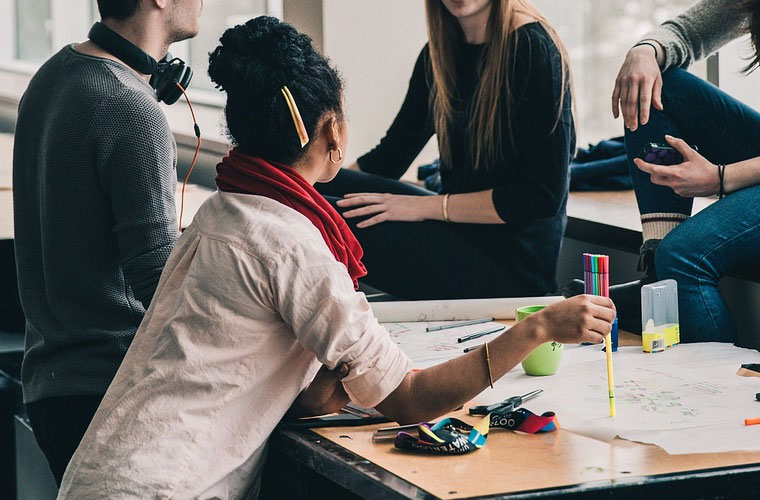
x,y
673,259
676,82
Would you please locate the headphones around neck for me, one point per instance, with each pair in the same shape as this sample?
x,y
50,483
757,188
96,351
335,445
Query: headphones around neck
x,y
165,74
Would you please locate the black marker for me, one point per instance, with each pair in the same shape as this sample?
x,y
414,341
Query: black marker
x,y
481,334
468,349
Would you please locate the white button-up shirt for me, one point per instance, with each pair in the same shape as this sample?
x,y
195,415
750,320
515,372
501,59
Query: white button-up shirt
x,y
250,304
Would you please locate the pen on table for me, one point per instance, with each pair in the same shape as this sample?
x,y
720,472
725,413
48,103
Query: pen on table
x,y
390,433
457,325
472,348
751,421
357,412
481,334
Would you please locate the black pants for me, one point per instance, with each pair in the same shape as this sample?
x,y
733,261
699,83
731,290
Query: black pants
x,y
59,424
432,259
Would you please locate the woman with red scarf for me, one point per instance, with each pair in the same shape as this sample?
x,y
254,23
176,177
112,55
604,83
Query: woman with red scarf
x,y
259,295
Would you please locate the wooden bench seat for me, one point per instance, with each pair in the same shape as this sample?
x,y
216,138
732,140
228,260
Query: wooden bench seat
x,y
611,219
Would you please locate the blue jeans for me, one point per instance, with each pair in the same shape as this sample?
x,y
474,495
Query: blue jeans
x,y
723,236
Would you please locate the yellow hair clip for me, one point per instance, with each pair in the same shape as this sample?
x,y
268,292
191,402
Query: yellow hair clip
x,y
303,135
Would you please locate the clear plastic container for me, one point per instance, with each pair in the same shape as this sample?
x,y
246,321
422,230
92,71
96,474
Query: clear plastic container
x,y
659,316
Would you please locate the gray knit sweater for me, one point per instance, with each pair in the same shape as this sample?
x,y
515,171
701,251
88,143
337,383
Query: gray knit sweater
x,y
699,31
93,190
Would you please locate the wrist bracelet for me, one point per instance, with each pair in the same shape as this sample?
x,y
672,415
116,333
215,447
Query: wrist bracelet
x,y
446,207
721,173
656,52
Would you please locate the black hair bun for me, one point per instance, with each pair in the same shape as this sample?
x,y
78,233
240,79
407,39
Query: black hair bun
x,y
252,63
259,56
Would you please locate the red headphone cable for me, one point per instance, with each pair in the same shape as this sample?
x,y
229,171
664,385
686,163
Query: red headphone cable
x,y
197,130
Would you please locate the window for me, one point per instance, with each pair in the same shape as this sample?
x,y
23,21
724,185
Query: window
x,y
598,33
34,36
218,15
33,30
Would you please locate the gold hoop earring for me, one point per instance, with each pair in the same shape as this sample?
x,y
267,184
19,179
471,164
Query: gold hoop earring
x,y
340,156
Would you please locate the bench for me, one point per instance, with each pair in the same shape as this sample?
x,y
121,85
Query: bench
x,y
608,222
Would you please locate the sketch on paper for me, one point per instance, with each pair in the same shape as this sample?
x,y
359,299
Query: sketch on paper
x,y
427,349
647,398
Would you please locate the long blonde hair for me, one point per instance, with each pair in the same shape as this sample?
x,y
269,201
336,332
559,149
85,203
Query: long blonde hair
x,y
494,92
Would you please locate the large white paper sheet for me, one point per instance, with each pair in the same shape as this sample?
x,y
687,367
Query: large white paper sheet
x,y
687,399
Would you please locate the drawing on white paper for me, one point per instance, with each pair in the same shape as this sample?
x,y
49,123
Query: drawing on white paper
x,y
646,397
427,349
685,400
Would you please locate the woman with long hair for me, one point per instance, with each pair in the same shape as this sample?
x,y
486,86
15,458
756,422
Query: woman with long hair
x,y
493,84
662,103
259,294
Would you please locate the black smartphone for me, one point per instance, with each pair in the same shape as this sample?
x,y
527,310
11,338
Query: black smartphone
x,y
662,154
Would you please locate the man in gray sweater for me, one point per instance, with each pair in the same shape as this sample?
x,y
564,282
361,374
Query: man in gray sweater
x,y
93,180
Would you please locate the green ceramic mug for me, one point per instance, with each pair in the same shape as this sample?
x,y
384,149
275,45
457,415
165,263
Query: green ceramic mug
x,y
545,359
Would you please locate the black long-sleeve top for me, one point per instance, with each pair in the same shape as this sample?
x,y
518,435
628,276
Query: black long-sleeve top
x,y
530,184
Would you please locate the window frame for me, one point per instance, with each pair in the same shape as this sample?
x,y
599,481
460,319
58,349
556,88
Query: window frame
x,y
67,23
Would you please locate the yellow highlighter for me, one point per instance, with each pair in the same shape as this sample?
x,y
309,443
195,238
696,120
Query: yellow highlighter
x,y
610,382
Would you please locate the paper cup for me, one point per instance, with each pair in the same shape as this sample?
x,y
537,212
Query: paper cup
x,y
545,359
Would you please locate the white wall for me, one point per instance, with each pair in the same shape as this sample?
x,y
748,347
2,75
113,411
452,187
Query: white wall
x,y
7,30
374,45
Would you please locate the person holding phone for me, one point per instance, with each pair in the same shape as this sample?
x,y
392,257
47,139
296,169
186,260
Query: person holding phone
x,y
259,294
493,85
661,103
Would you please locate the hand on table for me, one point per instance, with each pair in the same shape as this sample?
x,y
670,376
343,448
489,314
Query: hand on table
x,y
638,87
324,395
694,177
386,207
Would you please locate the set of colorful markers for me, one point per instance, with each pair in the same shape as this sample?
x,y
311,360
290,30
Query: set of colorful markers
x,y
596,277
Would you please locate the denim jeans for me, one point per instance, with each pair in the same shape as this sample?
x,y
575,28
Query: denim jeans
x,y
701,250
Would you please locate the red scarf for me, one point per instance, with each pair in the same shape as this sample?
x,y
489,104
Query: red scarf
x,y
241,173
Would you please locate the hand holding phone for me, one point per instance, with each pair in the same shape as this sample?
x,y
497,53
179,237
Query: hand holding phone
x,y
662,154
680,167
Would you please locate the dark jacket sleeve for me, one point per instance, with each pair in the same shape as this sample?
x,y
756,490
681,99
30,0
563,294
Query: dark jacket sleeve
x,y
137,171
543,151
409,132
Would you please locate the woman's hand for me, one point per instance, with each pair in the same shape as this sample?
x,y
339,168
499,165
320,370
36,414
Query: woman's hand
x,y
694,177
637,87
324,395
583,318
386,207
